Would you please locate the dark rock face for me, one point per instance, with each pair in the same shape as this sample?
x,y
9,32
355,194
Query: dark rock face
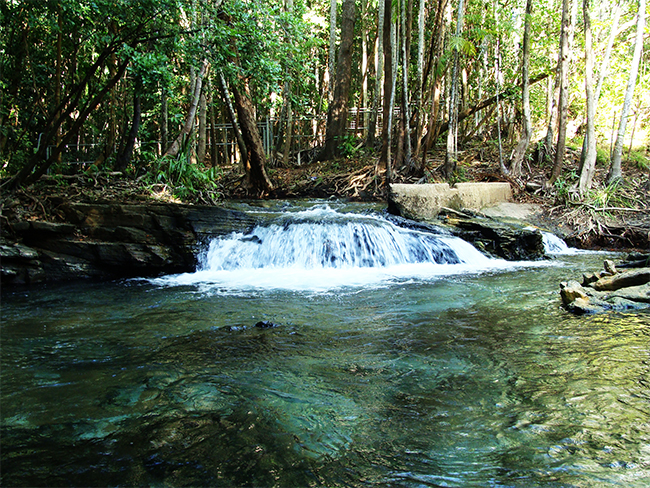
x,y
108,241
496,238
513,242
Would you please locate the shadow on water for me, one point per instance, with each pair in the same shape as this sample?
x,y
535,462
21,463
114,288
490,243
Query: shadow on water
x,y
462,379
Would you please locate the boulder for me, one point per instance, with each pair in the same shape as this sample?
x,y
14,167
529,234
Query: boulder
x,y
634,277
580,300
610,289
511,241
20,264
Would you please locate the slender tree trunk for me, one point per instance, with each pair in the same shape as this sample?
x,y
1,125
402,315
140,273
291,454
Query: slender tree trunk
x,y
589,164
233,121
387,122
563,104
175,148
111,132
407,20
419,96
59,63
524,141
214,148
39,163
379,73
332,50
257,180
604,68
288,6
201,149
124,157
552,93
435,54
497,76
451,156
164,120
338,114
288,134
615,169
365,69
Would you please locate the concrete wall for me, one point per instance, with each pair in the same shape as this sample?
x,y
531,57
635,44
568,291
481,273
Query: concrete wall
x,y
425,201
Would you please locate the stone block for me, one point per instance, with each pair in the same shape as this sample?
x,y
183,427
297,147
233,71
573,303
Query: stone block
x,y
424,202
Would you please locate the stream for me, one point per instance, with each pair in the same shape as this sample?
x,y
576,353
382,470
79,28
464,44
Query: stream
x,y
328,347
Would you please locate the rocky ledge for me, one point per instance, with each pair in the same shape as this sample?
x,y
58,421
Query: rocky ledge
x,y
610,289
113,241
110,241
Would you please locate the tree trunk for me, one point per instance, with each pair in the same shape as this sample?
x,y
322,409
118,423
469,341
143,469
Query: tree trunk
x,y
111,132
589,164
604,68
288,6
59,65
563,104
615,169
365,66
497,77
435,54
419,95
387,122
451,155
39,163
379,73
256,179
214,148
201,149
407,20
332,50
164,120
337,116
124,157
524,141
288,134
233,121
175,148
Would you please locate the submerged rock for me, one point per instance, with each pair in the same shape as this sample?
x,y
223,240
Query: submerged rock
x,y
608,290
265,324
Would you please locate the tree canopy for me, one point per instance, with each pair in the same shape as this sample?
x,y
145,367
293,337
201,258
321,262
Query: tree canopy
x,y
174,89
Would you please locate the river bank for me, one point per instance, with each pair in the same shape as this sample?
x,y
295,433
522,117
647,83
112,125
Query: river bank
x,y
51,221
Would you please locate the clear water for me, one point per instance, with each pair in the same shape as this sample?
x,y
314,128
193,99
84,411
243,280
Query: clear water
x,y
448,377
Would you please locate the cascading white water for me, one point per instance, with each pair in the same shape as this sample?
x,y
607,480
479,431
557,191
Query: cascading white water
x,y
554,245
317,245
320,249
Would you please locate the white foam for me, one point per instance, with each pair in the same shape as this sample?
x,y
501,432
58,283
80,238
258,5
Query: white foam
x,y
321,249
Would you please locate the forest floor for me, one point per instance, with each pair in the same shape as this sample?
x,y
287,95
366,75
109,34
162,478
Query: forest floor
x,y
610,217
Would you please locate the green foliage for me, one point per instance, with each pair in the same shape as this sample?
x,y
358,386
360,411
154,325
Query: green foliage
x,y
640,159
458,176
349,146
612,195
565,186
184,179
602,156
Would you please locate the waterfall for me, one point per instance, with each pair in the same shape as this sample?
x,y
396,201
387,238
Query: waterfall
x,y
320,249
555,245
317,245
